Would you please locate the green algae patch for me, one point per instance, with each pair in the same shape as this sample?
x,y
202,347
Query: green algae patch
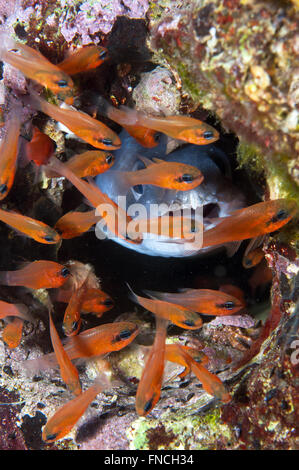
x,y
180,430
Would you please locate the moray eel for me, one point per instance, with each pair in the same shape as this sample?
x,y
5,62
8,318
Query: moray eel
x,y
217,195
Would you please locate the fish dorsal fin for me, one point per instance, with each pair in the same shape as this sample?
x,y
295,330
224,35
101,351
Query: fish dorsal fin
x,y
158,160
147,162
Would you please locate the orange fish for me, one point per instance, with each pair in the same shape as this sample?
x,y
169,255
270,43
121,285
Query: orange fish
x,y
40,148
8,155
210,382
175,353
253,221
179,127
183,128
90,163
143,135
253,258
169,175
14,310
97,302
64,419
203,301
68,371
82,125
85,58
40,274
32,228
72,319
149,387
177,314
36,67
234,291
166,226
94,301
96,341
12,333
73,224
115,217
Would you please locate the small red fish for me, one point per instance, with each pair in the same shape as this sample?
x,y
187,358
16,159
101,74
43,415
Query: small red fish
x,y
82,125
36,67
72,318
40,148
96,341
94,301
210,382
149,387
253,221
40,274
203,301
90,163
12,333
14,310
177,314
183,128
65,418
73,224
143,135
169,175
253,258
85,58
32,228
68,371
174,353
8,155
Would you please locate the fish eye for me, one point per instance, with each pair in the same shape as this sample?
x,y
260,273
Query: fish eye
x,y
186,178
247,262
48,238
105,141
3,188
103,54
228,305
65,272
62,83
189,323
125,334
75,325
109,158
51,437
108,302
208,135
281,215
148,405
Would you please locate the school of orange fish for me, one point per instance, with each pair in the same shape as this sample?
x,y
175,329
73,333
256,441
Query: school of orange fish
x,y
79,287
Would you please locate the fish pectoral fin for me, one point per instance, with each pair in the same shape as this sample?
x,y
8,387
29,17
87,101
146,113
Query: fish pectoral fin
x,y
147,162
158,160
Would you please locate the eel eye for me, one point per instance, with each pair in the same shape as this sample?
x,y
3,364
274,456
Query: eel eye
x,y
62,83
64,272
208,135
109,159
3,188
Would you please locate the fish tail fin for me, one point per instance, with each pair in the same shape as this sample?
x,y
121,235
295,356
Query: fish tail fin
x,y
122,115
4,278
24,312
6,43
132,294
34,366
122,181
